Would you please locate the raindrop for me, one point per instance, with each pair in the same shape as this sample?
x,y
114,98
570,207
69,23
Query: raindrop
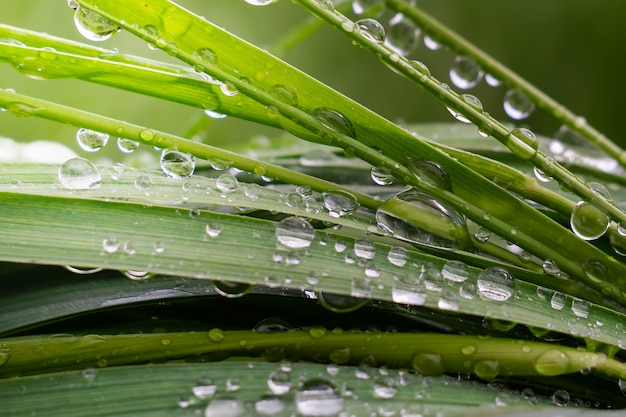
x,y
295,232
371,29
79,174
82,270
541,176
465,73
455,271
431,173
517,105
226,183
317,397
523,143
213,229
204,57
279,382
418,218
334,120
284,94
600,190
159,247
588,222
272,325
225,407
492,81
339,356
431,43
110,244
403,35
204,388
228,89
369,8
232,385
127,145
560,398
364,248
385,388
137,275
340,203
487,369
93,26
458,116
269,405
340,303
260,2
90,140
216,335
231,289
580,307
382,176
408,289
214,115
5,355
143,182
558,300
550,268
90,374
552,362
177,164
397,256
430,364
495,284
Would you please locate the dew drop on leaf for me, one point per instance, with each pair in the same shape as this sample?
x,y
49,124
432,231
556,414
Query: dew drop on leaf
x,y
295,232
269,405
110,244
227,183
177,164
408,289
580,307
429,364
487,369
364,248
523,143
143,182
431,43
371,29
455,271
127,145
397,256
517,105
79,174
382,176
432,173
90,140
231,289
403,34
552,362
213,229
317,397
94,26
225,407
588,222
279,382
338,303
465,73
260,2
340,203
334,120
495,284
558,300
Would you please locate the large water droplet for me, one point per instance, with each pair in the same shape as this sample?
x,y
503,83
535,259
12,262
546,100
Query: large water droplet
x,y
523,143
558,300
403,34
487,369
90,140
465,73
227,183
317,397
371,29
552,362
495,284
295,232
284,94
340,203
369,8
580,307
177,164
334,120
418,218
517,105
588,222
385,388
432,173
93,26
79,174
231,289
338,303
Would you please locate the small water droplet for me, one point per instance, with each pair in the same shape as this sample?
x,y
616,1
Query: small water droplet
x,y
580,307
231,289
541,176
79,174
225,407
137,275
340,203
94,26
455,271
560,398
127,145
216,335
465,73
517,105
340,356
269,405
227,183
228,89
492,81
495,284
397,256
5,355
260,2
284,94
364,248
588,222
487,369
213,229
432,173
558,300
382,176
295,232
110,244
550,268
90,374
429,364
90,140
403,34
385,388
523,143
334,120
338,303
431,43
279,382
408,289
159,247
143,182
317,397
552,362
340,246
177,164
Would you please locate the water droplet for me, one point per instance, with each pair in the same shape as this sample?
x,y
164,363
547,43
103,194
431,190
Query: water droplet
x,y
334,120
465,73
147,134
90,374
260,2
340,203
110,244
588,222
231,289
177,164
517,105
143,182
382,176
430,364
127,145
159,247
339,356
492,81
225,407
90,140
455,271
82,270
580,307
550,268
226,183
317,397
216,335
269,405
338,303
552,362
468,350
93,26
364,248
432,173
295,232
558,300
431,43
213,229
595,271
397,256
279,382
487,369
541,176
137,275
340,246
228,89
560,398
284,94
495,284
369,8
416,217
408,289
523,143
79,174
385,388
403,35
5,355
458,116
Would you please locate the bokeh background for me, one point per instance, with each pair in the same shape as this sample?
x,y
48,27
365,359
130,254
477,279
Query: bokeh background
x,y
573,50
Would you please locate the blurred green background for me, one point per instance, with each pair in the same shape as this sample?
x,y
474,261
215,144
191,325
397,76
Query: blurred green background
x,y
571,49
